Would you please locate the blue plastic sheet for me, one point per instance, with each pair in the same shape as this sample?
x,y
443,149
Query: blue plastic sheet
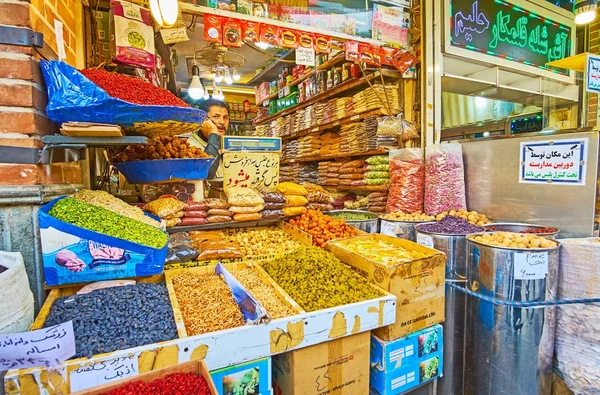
x,y
73,97
100,257
253,311
164,169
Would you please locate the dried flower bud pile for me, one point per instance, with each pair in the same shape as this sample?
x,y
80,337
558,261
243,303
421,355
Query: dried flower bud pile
x,y
317,280
116,318
264,293
172,384
513,240
414,217
206,303
450,225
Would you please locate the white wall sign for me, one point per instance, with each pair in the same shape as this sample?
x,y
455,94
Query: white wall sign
x,y
557,162
305,56
592,73
99,373
531,265
45,347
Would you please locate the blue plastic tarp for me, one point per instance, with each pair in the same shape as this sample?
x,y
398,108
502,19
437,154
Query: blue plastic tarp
x,y
72,97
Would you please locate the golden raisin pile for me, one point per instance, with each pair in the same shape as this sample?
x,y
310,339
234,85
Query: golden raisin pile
x,y
164,148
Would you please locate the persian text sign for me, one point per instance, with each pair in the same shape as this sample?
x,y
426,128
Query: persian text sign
x,y
593,74
258,170
103,372
500,29
45,347
561,162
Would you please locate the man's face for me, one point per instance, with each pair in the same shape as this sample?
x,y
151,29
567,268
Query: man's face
x,y
220,117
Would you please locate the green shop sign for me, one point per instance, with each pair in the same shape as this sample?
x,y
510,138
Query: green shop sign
x,y
501,29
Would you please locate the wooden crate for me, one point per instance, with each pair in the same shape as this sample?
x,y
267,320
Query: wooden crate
x,y
418,285
232,268
197,367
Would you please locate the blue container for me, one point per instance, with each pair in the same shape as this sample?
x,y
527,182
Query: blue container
x,y
100,257
145,171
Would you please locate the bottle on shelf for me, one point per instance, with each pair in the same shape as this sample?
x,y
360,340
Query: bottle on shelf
x,y
329,80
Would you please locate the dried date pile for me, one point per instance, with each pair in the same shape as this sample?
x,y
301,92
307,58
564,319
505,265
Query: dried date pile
x,y
116,318
164,148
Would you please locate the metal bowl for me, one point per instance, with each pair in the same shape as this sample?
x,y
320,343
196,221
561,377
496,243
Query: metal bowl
x,y
521,228
370,225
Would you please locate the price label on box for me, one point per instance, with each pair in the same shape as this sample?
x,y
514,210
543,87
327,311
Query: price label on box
x,y
531,265
425,240
99,373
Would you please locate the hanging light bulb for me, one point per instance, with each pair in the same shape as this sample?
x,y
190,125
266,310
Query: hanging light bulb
x,y
165,12
236,76
196,90
585,11
219,76
206,96
228,79
262,45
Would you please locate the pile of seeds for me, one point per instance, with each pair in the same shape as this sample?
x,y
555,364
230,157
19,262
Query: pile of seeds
x,y
116,318
206,303
264,294
317,280
106,200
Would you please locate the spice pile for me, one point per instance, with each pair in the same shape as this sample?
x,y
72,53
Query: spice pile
x,y
472,216
513,240
132,90
206,303
450,225
380,251
172,384
116,318
404,217
317,280
106,200
265,294
104,221
264,242
164,148
323,227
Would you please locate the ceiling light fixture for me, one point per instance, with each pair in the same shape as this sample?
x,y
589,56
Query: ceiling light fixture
x,y
228,79
164,12
585,11
236,76
196,89
219,77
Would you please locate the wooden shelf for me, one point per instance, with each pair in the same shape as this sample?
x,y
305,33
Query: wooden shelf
x,y
365,188
344,87
334,124
334,156
327,65
270,73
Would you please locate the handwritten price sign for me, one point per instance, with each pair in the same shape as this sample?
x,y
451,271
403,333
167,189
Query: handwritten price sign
x,y
103,372
45,347
593,73
258,170
560,162
531,265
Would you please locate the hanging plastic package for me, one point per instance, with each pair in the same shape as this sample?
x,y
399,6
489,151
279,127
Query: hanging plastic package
x,y
74,98
254,312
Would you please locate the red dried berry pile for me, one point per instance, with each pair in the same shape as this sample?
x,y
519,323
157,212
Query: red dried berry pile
x,y
132,90
172,384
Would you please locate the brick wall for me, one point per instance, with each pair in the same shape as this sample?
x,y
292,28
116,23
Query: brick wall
x,y
23,96
593,97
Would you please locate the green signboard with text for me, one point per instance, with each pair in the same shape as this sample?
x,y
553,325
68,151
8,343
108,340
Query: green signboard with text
x,y
504,30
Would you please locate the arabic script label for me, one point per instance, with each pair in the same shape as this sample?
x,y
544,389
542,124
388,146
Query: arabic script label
x,y
258,170
531,265
47,347
593,74
561,162
99,373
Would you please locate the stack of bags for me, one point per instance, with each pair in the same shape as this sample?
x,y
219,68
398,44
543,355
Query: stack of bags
x,y
377,170
330,111
318,198
308,173
333,174
369,99
295,198
278,126
345,107
340,199
309,146
289,172
290,150
304,119
323,170
352,173
274,204
360,203
330,143
217,210
376,140
263,130
245,203
168,209
377,202
316,114
353,138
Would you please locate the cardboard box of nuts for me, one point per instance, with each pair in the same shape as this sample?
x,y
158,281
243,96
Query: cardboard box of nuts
x,y
419,285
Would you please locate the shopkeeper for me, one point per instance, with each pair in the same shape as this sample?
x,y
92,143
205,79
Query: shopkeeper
x,y
209,136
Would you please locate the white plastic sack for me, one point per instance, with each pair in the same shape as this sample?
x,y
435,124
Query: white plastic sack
x,y
577,341
16,299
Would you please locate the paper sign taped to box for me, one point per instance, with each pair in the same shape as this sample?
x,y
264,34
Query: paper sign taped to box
x,y
45,347
258,170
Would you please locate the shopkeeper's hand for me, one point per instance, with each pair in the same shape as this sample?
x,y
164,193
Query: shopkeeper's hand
x,y
209,127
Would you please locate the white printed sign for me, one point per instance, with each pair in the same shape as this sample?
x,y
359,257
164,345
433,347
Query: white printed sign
x,y
47,347
531,265
425,240
593,74
103,372
305,56
562,162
